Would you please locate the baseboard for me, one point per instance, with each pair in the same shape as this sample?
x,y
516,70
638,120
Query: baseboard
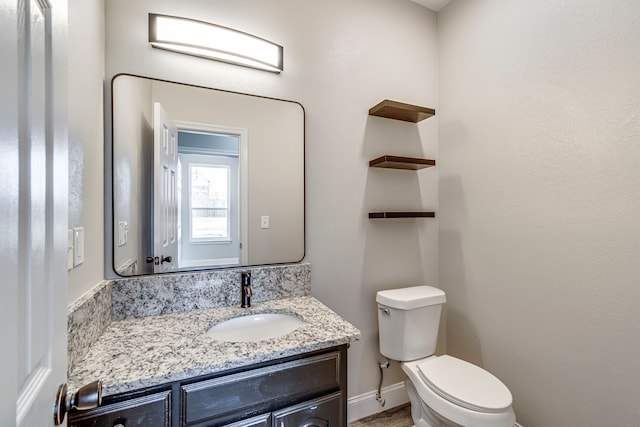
x,y
366,404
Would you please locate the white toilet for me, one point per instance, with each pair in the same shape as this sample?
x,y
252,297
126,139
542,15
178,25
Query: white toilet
x,y
444,391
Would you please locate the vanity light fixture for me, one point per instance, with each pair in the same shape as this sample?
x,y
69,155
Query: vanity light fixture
x,y
211,41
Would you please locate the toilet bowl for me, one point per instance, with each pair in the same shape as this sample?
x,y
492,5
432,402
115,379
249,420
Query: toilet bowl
x,y
444,391
452,392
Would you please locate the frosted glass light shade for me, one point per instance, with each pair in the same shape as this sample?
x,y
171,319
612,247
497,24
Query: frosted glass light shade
x,y
212,41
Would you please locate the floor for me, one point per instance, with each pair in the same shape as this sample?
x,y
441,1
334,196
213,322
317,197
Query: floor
x,y
396,417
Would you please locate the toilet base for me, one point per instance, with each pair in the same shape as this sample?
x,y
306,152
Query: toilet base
x,y
422,415
436,411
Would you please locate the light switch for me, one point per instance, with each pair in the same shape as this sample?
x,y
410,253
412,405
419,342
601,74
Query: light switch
x,y
78,246
264,221
69,250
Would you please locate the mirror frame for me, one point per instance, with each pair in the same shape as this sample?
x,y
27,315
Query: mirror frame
x,y
109,204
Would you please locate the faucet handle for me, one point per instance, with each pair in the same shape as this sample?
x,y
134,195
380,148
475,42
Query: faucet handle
x,y
245,289
245,278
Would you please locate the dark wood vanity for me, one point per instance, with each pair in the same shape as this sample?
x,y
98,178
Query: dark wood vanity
x,y
306,390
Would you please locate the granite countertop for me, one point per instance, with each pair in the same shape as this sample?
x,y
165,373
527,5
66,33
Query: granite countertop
x,y
136,353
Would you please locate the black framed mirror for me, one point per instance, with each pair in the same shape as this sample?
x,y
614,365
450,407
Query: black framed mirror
x,y
203,178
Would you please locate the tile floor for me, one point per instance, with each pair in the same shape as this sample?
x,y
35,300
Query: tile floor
x,y
399,416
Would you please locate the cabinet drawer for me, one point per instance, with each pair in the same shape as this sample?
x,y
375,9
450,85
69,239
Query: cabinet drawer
x,y
146,411
323,412
263,420
259,389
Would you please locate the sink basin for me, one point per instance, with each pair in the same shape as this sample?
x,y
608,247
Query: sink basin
x,y
254,327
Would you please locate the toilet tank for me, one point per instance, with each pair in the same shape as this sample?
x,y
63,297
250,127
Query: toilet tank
x,y
408,321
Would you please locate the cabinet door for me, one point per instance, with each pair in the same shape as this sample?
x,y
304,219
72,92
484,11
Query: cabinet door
x,y
146,411
263,420
323,412
259,390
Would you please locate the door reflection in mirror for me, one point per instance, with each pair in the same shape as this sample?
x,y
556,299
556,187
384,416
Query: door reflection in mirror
x,y
210,202
166,193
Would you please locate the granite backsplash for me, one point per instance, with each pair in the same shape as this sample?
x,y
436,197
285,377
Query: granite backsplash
x,y
142,296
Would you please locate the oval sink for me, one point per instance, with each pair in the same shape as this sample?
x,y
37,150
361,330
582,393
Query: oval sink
x,y
254,327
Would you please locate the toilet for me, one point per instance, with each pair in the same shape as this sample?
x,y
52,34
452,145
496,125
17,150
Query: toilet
x,y
444,391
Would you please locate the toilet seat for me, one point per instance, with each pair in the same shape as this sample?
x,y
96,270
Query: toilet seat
x,y
465,384
453,405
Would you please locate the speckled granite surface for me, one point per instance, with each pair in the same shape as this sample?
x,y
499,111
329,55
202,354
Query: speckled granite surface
x,y
87,318
141,352
176,293
173,293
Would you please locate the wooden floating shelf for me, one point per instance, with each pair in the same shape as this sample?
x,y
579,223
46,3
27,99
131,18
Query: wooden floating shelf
x,y
396,162
401,111
390,215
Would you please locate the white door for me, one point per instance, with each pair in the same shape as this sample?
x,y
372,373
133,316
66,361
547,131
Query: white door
x,y
33,209
165,192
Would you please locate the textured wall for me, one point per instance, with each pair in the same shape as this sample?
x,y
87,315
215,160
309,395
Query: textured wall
x,y
540,202
341,58
86,73
132,166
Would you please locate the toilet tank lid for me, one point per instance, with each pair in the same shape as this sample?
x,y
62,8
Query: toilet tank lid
x,y
412,297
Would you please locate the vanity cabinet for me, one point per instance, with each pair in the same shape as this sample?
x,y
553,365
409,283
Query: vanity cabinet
x,y
409,113
322,412
307,390
263,420
150,410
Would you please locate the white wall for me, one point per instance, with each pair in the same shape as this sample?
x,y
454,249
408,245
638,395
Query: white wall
x,y
341,58
539,204
275,183
132,167
86,73
539,126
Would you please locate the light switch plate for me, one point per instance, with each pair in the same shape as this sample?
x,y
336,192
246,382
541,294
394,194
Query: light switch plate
x,y
78,246
264,221
70,250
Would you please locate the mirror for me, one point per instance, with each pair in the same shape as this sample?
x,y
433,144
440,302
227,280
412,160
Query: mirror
x,y
204,178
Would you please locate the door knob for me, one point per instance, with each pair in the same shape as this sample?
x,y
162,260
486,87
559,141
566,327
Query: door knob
x,y
87,397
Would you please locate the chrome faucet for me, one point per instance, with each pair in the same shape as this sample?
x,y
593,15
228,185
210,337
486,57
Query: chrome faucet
x,y
245,289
